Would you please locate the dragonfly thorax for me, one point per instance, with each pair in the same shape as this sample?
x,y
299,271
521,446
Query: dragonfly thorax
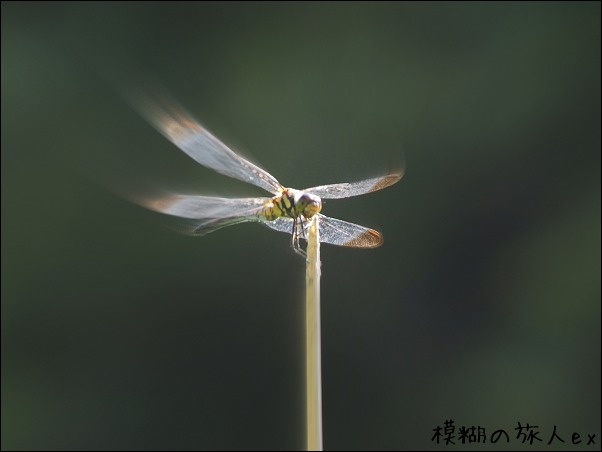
x,y
293,203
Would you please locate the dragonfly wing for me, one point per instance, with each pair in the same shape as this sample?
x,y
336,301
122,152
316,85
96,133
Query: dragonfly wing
x,y
196,141
205,214
335,232
342,233
204,207
348,189
281,224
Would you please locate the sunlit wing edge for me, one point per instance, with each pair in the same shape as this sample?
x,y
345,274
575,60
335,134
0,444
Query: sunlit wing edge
x,y
348,189
201,145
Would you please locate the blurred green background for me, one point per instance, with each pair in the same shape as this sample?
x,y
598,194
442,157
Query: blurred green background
x,y
483,305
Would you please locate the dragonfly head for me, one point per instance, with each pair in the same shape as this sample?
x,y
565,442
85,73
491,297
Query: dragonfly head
x,y
308,205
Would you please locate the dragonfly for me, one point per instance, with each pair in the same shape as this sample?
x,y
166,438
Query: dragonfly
x,y
287,210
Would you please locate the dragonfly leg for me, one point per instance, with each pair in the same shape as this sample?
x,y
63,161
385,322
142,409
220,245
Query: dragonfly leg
x,y
304,227
295,237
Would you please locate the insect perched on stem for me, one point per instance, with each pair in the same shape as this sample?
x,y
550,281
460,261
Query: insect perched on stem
x,y
288,210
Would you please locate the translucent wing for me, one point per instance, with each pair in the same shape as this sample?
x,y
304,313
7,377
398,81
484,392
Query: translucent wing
x,y
206,213
202,207
196,141
339,232
336,232
348,189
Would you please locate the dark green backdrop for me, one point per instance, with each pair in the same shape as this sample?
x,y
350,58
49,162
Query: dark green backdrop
x,y
483,305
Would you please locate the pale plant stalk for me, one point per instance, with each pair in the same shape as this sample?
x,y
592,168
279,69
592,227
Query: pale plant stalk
x,y
312,340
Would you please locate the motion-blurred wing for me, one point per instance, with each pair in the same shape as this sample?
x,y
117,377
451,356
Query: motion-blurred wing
x,y
205,214
348,189
196,141
336,232
204,207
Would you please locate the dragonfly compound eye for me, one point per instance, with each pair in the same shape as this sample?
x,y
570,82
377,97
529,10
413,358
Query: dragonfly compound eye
x,y
309,205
